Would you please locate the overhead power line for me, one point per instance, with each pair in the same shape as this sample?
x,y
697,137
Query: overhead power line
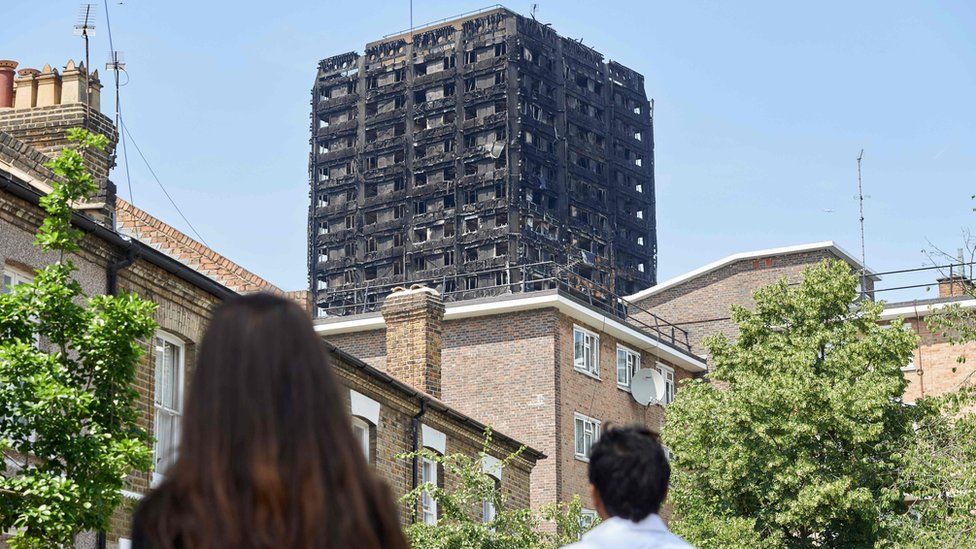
x,y
125,130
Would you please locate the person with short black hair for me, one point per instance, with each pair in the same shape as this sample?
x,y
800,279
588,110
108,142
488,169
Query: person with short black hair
x,y
629,474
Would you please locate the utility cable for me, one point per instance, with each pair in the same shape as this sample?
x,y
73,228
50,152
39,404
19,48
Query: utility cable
x,y
125,130
118,102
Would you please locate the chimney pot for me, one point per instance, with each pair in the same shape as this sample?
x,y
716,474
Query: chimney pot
x,y
48,87
26,88
7,83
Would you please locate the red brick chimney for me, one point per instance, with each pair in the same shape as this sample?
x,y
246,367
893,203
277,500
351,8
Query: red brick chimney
x,y
7,83
955,286
413,337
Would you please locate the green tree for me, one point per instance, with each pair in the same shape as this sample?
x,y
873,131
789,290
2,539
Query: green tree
x,y
69,429
798,437
460,506
939,475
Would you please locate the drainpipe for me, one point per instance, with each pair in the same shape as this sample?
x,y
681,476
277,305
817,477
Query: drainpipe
x,y
112,288
415,434
112,271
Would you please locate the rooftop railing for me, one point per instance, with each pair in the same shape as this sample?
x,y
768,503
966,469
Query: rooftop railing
x,y
359,299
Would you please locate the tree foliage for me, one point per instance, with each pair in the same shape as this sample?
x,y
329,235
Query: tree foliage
x,y
460,505
798,438
939,476
69,428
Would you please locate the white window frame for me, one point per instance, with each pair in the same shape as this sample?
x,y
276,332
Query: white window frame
x,y
361,430
580,436
910,367
632,361
158,408
593,346
13,277
428,505
667,373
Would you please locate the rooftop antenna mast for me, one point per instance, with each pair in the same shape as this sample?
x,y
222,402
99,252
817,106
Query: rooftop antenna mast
x,y
115,64
411,21
860,199
85,27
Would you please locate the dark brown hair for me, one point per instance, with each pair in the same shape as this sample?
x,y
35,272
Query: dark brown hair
x,y
267,456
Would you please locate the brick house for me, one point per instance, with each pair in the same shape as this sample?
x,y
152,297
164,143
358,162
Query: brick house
x,y
127,249
541,366
938,366
698,301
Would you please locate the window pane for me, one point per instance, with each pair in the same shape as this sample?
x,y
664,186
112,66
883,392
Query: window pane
x,y
580,449
173,374
160,352
578,347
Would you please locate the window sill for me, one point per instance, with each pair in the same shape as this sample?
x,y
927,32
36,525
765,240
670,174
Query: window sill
x,y
587,373
623,388
584,459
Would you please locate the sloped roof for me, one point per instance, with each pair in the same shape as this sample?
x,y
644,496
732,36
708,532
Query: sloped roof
x,y
728,260
154,232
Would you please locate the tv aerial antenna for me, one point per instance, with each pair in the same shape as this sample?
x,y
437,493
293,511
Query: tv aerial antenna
x,y
116,64
85,27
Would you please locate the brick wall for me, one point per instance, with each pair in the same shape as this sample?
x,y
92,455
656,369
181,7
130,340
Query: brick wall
x,y
368,346
600,399
500,369
393,436
514,371
701,305
45,130
936,368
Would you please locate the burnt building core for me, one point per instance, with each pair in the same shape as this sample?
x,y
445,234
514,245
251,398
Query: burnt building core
x,y
479,156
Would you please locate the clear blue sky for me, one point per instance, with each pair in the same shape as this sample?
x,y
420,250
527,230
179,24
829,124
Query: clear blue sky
x,y
761,109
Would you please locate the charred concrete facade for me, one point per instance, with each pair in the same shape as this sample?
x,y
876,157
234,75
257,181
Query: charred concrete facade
x,y
465,155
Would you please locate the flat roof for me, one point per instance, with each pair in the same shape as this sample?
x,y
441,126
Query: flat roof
x,y
544,299
728,260
923,307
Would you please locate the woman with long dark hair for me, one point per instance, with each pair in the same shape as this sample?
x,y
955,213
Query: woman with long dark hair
x,y
267,456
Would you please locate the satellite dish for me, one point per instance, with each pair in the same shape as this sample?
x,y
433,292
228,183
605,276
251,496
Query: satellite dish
x,y
647,386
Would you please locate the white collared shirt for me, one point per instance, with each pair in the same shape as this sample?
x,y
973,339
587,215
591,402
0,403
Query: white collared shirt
x,y
650,533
